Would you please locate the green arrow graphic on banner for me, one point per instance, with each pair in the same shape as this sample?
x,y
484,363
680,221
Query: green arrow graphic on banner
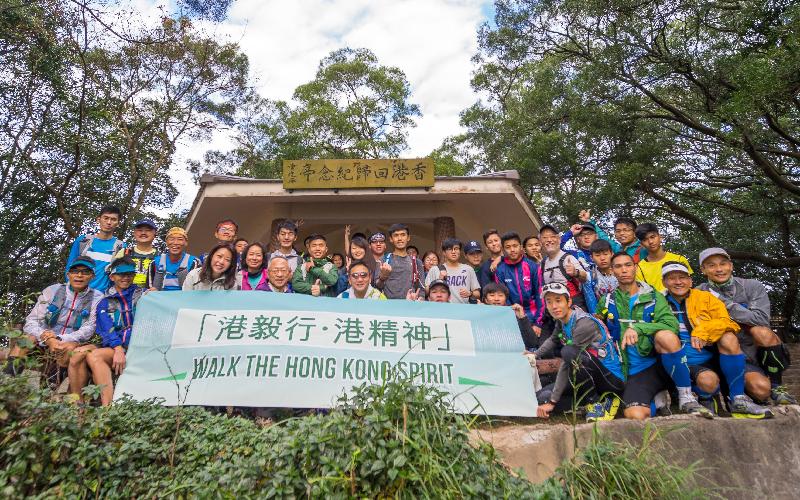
x,y
179,376
470,381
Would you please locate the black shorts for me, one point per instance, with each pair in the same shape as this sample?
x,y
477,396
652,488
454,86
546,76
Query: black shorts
x,y
695,370
753,368
640,389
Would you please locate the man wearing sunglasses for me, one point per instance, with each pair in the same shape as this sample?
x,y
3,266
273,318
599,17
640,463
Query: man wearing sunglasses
x,y
63,317
359,277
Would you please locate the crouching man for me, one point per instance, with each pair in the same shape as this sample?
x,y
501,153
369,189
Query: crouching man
x,y
748,304
640,318
590,357
709,342
63,317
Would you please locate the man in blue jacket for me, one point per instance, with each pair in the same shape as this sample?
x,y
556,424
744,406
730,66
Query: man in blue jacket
x,y
522,277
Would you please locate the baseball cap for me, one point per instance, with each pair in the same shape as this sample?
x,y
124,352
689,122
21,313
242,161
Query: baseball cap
x,y
123,268
472,246
708,252
550,227
146,222
84,261
557,288
587,227
439,283
377,237
672,267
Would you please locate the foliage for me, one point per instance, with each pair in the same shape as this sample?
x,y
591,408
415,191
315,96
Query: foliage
x,y
627,471
682,112
94,104
393,440
353,108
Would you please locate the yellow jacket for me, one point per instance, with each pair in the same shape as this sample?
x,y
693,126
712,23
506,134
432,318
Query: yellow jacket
x,y
709,316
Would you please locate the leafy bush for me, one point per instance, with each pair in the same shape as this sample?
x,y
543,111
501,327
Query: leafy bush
x,y
393,440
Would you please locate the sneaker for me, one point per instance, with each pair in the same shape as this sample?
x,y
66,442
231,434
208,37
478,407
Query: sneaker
x,y
780,396
744,407
605,409
692,407
710,404
663,402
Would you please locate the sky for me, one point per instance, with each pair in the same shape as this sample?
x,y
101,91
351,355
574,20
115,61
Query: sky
x,y
432,41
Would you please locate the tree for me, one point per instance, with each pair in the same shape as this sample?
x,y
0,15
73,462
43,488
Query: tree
x,y
679,111
92,111
354,108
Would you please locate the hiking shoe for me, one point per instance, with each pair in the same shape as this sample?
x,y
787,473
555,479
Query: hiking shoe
x,y
692,407
605,409
744,407
780,396
710,404
662,402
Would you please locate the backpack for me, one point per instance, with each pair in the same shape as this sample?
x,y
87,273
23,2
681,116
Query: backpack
x,y
606,350
163,278
575,282
83,306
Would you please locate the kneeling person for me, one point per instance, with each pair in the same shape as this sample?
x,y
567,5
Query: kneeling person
x,y
709,340
360,277
63,317
748,305
590,357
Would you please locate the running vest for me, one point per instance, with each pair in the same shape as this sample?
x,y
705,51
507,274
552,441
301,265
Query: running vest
x,y
116,310
82,310
142,265
165,280
86,244
416,279
615,322
605,350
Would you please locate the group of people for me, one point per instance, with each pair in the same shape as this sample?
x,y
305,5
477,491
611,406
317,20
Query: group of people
x,y
617,320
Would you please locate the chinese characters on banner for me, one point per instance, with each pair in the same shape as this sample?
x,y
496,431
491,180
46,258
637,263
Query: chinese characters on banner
x,y
339,174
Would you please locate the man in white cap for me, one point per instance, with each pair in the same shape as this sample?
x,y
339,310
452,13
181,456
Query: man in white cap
x,y
708,336
748,304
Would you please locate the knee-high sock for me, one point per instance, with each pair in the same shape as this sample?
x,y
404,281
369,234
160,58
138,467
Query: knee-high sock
x,y
675,364
732,366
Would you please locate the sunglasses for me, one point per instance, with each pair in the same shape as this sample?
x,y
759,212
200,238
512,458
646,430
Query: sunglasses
x,y
359,275
81,272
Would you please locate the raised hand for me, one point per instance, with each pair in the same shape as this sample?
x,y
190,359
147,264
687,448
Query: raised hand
x,y
585,215
576,228
518,310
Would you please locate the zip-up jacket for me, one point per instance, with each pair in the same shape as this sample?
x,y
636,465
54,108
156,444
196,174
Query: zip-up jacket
x,y
647,312
524,281
323,270
115,314
708,318
746,300
71,318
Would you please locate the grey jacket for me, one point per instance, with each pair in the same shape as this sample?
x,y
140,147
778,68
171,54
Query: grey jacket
x,y
747,300
192,282
584,333
35,323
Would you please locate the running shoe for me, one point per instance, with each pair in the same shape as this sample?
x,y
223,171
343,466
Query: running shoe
x,y
744,407
780,396
692,407
605,409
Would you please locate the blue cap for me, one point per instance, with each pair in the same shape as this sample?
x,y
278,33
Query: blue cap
x,y
472,246
146,222
84,261
123,268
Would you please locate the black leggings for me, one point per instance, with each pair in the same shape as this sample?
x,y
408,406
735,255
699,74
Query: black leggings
x,y
590,378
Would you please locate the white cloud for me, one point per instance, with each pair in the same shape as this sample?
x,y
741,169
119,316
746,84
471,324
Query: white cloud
x,y
432,41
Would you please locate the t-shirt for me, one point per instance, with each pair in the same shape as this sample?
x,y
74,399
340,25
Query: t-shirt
x,y
551,271
650,272
142,262
102,252
399,281
604,283
458,278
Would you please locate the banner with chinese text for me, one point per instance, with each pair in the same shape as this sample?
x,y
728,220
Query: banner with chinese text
x,y
288,350
341,174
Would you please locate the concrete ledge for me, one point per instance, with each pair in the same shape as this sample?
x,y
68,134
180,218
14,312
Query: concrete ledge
x,y
748,458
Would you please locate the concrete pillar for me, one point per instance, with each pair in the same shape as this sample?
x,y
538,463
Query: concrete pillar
x,y
443,228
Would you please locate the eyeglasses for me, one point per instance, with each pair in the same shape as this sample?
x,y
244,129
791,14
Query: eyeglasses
x,y
359,275
81,271
226,229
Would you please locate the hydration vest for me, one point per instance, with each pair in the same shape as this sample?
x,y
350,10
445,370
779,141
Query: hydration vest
x,y
605,350
417,282
82,310
164,279
615,322
86,244
116,311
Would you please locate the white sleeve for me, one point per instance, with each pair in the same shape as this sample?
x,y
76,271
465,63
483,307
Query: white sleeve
x,y
34,322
